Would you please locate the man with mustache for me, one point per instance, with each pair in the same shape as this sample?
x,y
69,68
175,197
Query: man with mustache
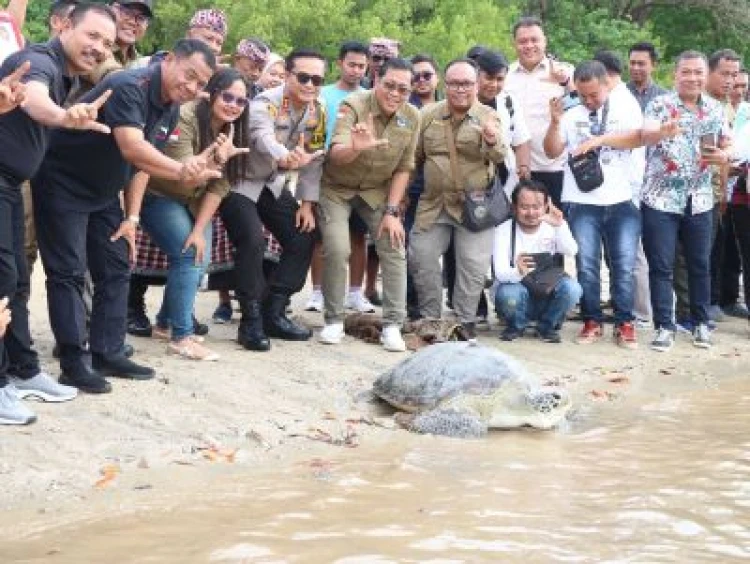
x,y
77,199
52,70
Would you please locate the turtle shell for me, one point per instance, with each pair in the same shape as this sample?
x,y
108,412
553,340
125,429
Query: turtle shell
x,y
439,372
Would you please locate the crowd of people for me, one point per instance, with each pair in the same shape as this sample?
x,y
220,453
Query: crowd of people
x,y
127,171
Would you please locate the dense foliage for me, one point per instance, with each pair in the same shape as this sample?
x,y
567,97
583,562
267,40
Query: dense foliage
x,y
446,28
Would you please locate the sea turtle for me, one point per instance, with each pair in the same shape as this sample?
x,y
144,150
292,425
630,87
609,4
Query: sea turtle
x,y
462,389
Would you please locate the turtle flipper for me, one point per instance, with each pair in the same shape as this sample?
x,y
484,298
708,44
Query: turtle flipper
x,y
450,423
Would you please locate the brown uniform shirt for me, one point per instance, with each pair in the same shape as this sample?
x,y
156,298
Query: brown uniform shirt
x,y
476,159
369,175
184,142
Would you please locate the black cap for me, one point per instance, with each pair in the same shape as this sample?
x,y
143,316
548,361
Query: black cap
x,y
475,51
148,5
492,62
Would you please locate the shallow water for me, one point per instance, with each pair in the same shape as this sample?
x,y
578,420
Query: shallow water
x,y
654,480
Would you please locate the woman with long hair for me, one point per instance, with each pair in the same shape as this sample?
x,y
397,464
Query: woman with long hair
x,y
177,215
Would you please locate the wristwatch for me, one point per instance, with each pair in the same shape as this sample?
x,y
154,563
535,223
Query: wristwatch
x,y
394,211
134,219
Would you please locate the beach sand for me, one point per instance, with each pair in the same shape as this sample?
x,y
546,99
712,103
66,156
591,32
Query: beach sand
x,y
198,424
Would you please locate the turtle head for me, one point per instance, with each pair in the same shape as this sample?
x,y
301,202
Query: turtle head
x,y
541,408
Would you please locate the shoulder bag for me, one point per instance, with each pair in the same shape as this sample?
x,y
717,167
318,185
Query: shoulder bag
x,y
541,281
586,168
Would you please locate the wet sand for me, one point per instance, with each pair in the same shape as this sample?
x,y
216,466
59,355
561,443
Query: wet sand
x,y
199,433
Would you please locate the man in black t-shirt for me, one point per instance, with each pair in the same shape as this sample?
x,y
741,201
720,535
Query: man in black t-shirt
x,y
76,199
24,133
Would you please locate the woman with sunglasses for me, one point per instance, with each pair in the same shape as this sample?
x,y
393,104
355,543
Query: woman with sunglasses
x,y
177,215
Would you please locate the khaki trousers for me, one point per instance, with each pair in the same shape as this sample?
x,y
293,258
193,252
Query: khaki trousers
x,y
473,254
333,221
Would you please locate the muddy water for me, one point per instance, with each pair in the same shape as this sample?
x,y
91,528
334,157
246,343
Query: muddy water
x,y
661,479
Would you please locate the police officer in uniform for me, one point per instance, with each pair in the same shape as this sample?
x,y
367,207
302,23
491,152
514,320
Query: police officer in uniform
x,y
367,170
287,135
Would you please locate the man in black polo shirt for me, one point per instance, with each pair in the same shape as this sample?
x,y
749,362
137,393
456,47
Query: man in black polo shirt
x,y
76,199
24,132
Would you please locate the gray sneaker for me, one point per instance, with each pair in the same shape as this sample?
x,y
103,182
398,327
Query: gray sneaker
x,y
43,387
12,411
663,340
702,337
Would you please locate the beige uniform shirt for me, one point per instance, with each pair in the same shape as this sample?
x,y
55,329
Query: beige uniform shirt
x,y
275,128
476,159
534,89
369,175
184,142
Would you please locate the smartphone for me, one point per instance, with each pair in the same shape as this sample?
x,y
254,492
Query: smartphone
x,y
708,143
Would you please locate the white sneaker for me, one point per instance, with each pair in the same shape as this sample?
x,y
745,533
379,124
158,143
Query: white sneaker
x,y
391,339
332,334
12,410
358,302
43,387
315,303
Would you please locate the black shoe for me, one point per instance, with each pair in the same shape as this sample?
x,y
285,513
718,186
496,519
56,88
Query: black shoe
x,y
139,325
199,328
510,334
119,366
277,324
251,334
83,377
375,299
470,331
127,350
549,336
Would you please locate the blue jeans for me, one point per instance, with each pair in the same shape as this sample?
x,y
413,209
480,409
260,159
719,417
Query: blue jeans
x,y
660,233
169,223
619,227
514,303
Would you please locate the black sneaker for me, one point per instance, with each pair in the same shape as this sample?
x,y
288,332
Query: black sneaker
x,y
139,325
86,379
119,366
549,336
511,334
470,332
199,328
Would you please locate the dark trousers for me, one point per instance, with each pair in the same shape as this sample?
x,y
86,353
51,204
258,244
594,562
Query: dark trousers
x,y
75,235
16,354
244,220
554,183
661,231
730,266
741,221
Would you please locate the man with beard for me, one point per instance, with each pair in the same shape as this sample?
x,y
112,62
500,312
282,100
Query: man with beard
x,y
85,41
479,147
76,198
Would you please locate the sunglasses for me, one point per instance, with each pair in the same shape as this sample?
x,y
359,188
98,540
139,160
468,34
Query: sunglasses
x,y
425,76
303,78
400,89
379,58
229,98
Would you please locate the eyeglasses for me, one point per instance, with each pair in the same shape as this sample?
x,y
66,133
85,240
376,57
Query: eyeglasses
x,y
136,15
425,76
304,78
400,89
229,98
460,86
379,58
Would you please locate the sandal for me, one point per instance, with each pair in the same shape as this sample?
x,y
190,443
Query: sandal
x,y
190,349
165,334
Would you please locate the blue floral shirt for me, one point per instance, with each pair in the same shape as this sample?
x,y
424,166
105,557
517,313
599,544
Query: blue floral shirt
x,y
674,170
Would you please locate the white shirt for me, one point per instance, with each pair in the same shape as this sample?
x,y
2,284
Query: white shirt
x,y
515,133
617,165
622,96
534,89
546,239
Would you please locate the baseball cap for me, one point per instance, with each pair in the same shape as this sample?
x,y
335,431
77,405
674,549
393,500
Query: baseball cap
x,y
148,5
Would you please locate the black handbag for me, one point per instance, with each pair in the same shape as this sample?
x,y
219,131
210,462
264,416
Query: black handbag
x,y
482,209
586,168
541,281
